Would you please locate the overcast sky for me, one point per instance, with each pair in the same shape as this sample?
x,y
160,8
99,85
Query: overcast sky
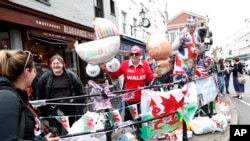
x,y
226,16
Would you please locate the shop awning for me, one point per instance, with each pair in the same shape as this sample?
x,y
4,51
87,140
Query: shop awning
x,y
132,41
48,40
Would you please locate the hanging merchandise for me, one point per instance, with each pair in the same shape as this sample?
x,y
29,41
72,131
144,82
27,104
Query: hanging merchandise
x,y
113,65
92,70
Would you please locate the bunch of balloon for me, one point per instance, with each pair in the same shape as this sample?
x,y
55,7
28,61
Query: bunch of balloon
x,y
102,50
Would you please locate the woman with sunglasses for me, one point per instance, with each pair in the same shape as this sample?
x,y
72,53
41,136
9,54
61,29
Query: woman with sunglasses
x,y
136,74
17,71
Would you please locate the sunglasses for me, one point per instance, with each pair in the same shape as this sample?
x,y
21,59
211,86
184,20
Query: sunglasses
x,y
28,58
134,54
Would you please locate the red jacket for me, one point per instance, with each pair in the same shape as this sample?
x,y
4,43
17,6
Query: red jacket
x,y
134,77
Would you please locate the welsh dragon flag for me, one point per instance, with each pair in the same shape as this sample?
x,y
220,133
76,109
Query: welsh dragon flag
x,y
64,120
89,122
114,117
155,103
134,111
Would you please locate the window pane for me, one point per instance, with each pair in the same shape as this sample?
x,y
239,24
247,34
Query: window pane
x,y
4,40
112,7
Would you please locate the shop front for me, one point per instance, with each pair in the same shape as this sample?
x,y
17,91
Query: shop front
x,y
43,35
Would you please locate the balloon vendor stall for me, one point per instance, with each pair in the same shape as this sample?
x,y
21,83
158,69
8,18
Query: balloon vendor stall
x,y
162,114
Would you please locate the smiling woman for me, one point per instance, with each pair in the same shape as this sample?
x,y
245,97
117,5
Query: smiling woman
x,y
60,82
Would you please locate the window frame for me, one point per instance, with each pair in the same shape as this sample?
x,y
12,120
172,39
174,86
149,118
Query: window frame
x,y
112,7
124,19
99,12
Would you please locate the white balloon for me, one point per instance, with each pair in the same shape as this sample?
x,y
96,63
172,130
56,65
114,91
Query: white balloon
x,y
113,65
98,51
92,70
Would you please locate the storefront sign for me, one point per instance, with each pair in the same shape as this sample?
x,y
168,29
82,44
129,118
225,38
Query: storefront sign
x,y
46,24
64,29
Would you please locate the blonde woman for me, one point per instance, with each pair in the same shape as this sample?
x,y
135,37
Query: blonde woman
x,y
17,71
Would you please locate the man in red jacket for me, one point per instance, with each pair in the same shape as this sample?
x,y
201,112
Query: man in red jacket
x,y
136,73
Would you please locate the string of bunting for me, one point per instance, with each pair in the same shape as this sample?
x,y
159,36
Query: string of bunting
x,y
124,124
37,103
104,113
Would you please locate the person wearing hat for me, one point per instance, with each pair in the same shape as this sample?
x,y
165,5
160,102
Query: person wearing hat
x,y
187,46
136,74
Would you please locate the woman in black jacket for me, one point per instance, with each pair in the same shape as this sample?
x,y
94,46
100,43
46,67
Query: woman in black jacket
x,y
17,72
237,68
59,82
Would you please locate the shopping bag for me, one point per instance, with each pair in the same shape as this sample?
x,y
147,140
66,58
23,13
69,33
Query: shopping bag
x,y
241,78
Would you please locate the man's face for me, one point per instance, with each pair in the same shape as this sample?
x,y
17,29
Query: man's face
x,y
135,57
191,29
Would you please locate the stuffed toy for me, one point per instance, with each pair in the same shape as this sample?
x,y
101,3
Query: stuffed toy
x,y
159,49
162,67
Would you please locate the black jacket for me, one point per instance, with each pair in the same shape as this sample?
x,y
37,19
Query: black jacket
x,y
17,122
45,83
228,71
237,68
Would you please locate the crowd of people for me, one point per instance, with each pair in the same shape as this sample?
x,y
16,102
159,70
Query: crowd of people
x,y
224,70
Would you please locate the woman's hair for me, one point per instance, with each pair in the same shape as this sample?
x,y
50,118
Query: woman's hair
x,y
236,59
221,61
14,62
58,57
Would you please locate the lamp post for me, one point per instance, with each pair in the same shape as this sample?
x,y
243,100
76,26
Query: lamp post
x,y
145,22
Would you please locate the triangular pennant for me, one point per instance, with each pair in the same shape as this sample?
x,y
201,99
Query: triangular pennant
x,y
115,117
88,123
134,111
38,126
64,120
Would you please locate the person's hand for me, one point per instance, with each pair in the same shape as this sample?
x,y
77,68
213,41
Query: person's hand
x,y
182,36
49,138
155,75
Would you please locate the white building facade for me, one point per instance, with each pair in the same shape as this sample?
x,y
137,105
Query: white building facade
x,y
238,43
129,18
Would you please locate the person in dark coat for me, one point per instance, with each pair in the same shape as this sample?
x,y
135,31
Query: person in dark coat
x,y
237,68
17,71
227,74
59,82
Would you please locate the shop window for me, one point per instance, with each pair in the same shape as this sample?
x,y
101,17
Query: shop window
x,y
43,51
112,7
46,2
4,40
124,21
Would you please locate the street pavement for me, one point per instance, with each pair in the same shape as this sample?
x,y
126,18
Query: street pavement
x,y
216,136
